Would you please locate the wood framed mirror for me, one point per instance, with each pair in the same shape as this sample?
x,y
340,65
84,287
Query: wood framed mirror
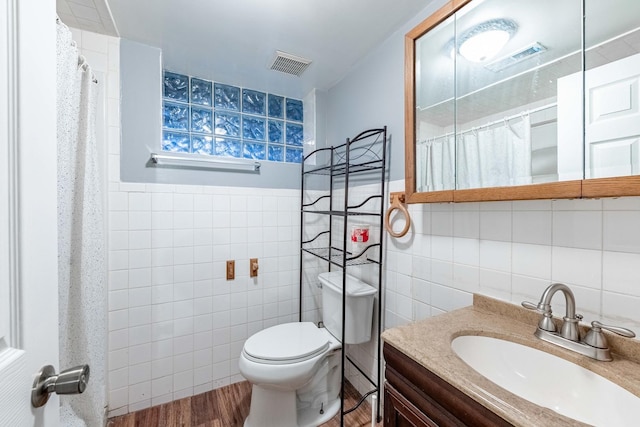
x,y
507,101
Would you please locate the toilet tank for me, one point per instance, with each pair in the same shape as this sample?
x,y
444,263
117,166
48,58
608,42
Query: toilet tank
x,y
359,307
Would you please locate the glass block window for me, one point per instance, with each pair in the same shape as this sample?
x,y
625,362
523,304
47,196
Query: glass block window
x,y
176,142
176,87
276,134
253,102
226,97
201,144
294,134
227,147
201,119
253,128
294,110
204,117
201,92
275,105
227,124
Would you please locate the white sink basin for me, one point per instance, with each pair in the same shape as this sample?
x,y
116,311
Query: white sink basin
x,y
549,381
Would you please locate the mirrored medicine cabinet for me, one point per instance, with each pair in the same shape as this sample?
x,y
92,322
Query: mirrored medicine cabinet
x,y
520,99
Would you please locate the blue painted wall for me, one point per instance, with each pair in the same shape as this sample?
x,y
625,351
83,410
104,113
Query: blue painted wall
x,y
372,95
141,121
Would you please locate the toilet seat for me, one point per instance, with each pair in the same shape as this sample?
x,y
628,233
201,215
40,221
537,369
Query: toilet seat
x,y
287,343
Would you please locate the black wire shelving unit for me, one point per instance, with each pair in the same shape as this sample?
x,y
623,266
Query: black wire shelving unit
x,y
363,156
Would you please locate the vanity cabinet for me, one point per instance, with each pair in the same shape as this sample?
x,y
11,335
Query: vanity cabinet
x,y
415,396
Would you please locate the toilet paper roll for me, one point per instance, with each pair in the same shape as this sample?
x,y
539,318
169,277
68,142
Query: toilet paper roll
x,y
359,238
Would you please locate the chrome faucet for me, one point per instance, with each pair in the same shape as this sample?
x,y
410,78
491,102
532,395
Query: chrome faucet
x,y
570,320
593,345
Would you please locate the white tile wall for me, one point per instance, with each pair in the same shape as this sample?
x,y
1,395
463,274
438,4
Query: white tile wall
x,y
513,251
176,325
179,322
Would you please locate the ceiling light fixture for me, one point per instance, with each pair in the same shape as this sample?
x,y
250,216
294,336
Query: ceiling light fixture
x,y
486,40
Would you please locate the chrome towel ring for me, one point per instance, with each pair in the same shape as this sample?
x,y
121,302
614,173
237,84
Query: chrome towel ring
x,y
397,202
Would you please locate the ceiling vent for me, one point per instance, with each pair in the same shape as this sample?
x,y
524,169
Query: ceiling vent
x,y
290,64
518,56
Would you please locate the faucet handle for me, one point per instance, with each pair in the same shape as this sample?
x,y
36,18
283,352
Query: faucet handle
x,y
539,307
596,338
615,329
530,305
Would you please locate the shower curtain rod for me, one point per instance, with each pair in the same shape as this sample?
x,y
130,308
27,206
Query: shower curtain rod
x,y
493,123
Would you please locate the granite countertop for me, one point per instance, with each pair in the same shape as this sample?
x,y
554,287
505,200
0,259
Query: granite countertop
x,y
428,342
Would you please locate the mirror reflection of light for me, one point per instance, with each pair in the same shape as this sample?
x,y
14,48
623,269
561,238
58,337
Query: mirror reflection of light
x,y
484,46
483,41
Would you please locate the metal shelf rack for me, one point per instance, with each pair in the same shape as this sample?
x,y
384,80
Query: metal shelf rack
x,y
364,155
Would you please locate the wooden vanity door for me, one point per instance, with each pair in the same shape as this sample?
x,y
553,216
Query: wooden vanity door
x,y
416,397
399,412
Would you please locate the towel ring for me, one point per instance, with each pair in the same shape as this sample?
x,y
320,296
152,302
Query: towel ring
x,y
397,200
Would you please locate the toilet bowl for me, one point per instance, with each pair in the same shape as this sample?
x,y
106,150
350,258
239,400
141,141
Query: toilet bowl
x,y
295,367
295,372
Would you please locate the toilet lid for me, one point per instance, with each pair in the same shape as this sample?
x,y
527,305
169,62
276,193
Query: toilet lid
x,y
288,342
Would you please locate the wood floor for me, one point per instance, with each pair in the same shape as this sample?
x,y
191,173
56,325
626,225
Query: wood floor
x,y
225,407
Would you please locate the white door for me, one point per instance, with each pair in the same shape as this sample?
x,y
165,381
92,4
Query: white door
x,y
28,234
612,119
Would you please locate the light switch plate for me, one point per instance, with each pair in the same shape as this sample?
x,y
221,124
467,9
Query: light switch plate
x,y
253,267
231,270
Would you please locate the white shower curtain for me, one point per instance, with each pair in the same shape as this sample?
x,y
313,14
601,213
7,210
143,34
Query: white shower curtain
x,y
495,156
439,157
81,258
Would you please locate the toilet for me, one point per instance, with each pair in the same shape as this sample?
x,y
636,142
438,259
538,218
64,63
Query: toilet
x,y
294,368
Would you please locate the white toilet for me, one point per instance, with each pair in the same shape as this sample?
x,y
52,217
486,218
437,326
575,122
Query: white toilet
x,y
295,367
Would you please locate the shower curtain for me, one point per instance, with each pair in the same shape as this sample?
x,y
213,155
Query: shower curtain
x,y
438,156
81,256
495,156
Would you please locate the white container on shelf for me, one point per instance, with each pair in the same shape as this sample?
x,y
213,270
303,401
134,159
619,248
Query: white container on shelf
x,y
359,238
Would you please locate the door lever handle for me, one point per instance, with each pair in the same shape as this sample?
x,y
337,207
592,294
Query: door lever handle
x,y
70,381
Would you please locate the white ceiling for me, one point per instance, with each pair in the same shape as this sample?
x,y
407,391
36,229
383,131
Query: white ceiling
x,y
233,41
90,15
